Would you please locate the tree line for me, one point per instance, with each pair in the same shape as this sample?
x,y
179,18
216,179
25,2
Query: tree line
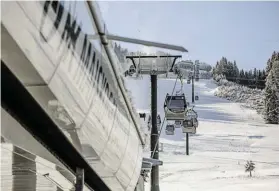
x,y
252,78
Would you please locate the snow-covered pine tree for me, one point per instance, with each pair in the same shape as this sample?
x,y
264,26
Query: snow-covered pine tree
x,y
235,69
263,74
272,94
258,79
275,71
230,71
249,167
241,73
268,66
214,73
218,69
225,65
255,73
274,57
246,77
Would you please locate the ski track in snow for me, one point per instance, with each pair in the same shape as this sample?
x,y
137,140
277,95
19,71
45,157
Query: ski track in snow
x,y
228,135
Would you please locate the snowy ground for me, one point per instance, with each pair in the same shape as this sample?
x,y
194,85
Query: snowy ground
x,y
228,135
250,98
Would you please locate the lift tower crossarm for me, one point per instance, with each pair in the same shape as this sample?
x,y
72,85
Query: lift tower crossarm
x,y
154,56
139,41
147,43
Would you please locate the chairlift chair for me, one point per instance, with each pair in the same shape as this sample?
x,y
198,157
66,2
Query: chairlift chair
x,y
191,113
149,126
158,118
158,121
188,126
149,123
132,70
188,122
191,130
170,129
194,130
175,70
188,81
191,122
194,116
175,107
177,124
142,115
196,97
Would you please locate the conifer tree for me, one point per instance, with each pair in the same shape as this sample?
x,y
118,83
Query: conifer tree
x,y
272,92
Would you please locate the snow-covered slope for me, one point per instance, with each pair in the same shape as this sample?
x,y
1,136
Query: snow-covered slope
x,y
228,135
